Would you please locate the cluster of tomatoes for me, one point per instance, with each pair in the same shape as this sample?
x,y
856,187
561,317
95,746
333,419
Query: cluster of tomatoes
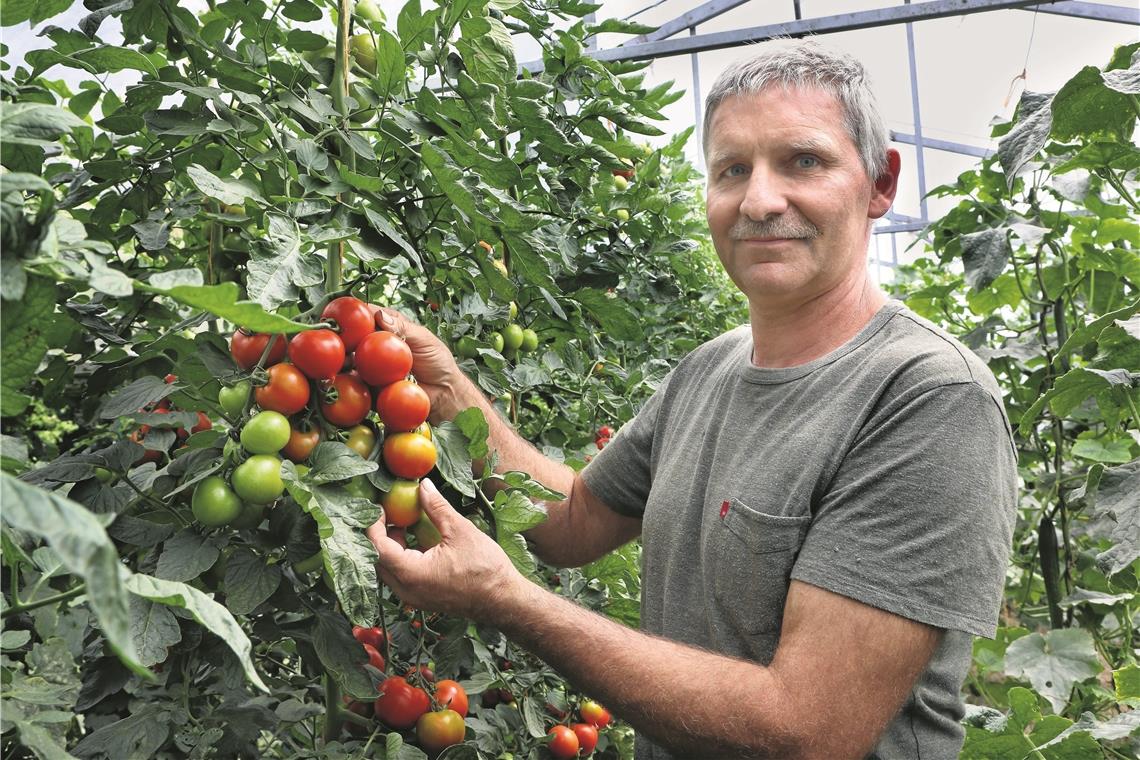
x,y
181,434
336,374
603,436
438,719
579,739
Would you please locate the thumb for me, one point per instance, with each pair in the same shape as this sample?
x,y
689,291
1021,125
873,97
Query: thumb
x,y
437,508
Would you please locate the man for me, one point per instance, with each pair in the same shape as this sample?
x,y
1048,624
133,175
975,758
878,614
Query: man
x,y
825,496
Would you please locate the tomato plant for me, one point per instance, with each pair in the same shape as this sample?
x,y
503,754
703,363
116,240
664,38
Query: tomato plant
x,y
400,704
319,354
351,401
439,730
287,390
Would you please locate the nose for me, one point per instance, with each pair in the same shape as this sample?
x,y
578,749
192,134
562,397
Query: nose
x,y
764,196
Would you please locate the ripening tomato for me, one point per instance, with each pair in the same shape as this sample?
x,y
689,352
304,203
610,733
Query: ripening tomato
x,y
287,390
403,406
400,704
353,400
402,503
301,443
438,730
246,348
564,743
373,636
266,433
409,455
424,430
382,358
317,353
594,714
258,479
427,535
587,737
214,503
451,695
375,659
353,318
361,439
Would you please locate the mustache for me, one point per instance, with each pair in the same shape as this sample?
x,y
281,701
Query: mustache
x,y
785,226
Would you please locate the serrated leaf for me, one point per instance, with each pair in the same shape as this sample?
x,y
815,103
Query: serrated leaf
x,y
515,513
23,341
154,630
35,123
613,314
1071,389
1053,662
139,735
18,11
277,276
453,461
333,461
473,424
530,487
133,397
341,654
249,581
984,256
1028,136
1086,107
185,556
1117,514
515,547
82,544
111,59
221,300
216,618
384,227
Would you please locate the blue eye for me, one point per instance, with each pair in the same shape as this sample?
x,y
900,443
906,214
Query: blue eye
x,y
732,170
807,162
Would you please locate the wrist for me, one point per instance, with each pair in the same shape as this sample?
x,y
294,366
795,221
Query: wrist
x,y
453,396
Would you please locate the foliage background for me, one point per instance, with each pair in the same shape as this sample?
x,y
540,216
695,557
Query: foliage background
x,y
255,160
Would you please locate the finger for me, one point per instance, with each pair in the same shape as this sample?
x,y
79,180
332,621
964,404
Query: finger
x,y
389,553
394,321
437,508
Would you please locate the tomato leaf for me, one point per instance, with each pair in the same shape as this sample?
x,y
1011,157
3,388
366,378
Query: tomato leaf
x,y
341,654
249,581
454,462
185,556
23,341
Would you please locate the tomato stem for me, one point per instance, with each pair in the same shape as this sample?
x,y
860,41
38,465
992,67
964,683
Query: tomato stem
x,y
17,607
334,715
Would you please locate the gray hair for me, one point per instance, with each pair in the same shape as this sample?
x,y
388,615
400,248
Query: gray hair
x,y
807,64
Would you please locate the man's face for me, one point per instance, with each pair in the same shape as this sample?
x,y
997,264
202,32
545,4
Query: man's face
x,y
788,198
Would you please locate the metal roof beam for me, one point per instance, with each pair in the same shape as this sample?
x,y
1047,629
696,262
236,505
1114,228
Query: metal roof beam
x,y
698,15
842,22
1093,11
947,145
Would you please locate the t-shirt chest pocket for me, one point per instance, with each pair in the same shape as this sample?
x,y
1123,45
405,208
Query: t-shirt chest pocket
x,y
750,555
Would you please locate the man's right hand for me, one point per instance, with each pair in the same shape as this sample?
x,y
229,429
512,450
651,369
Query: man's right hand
x,y
449,390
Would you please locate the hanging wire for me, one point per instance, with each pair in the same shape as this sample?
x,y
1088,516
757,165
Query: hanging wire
x,y
1023,76
646,8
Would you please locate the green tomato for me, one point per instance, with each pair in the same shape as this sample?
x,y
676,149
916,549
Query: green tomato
x,y
361,487
233,398
620,182
250,517
495,341
103,475
467,347
427,535
364,52
514,311
622,215
266,433
512,337
214,503
369,11
529,341
258,479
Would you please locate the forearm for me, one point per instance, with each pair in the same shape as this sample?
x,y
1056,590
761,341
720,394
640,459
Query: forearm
x,y
686,699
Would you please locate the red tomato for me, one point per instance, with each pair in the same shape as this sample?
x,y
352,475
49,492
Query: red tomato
x,y
373,636
400,704
375,659
403,406
301,444
363,709
563,744
438,730
287,390
353,318
382,358
426,673
587,737
409,455
317,353
202,424
451,695
246,348
353,400
605,431
401,503
594,714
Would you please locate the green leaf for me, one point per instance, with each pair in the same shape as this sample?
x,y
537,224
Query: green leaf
x,y
450,178
515,513
1086,108
1071,389
454,462
613,314
514,546
619,26
154,630
391,70
301,40
276,276
185,556
1028,136
139,735
333,461
984,255
106,58
529,486
213,616
249,581
1053,662
1116,452
133,397
35,123
1087,333
415,27
229,191
381,224
1117,515
221,300
82,544
473,424
1127,682
15,12
341,654
23,341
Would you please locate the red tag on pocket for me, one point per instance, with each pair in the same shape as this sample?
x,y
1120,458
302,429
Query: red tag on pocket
x,y
723,509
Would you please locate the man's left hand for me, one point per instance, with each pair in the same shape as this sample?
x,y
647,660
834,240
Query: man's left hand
x,y
467,574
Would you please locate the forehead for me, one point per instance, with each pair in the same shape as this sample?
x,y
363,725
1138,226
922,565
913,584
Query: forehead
x,y
779,114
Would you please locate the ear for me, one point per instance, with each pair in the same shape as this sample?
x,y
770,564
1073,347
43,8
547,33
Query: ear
x,y
885,186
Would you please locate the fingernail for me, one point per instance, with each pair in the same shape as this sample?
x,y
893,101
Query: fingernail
x,y
385,318
428,486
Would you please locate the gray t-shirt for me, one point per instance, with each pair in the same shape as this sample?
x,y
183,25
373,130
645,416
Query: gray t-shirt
x,y
884,471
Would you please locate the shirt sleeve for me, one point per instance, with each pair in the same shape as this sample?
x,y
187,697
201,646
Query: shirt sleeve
x,y
621,474
919,518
